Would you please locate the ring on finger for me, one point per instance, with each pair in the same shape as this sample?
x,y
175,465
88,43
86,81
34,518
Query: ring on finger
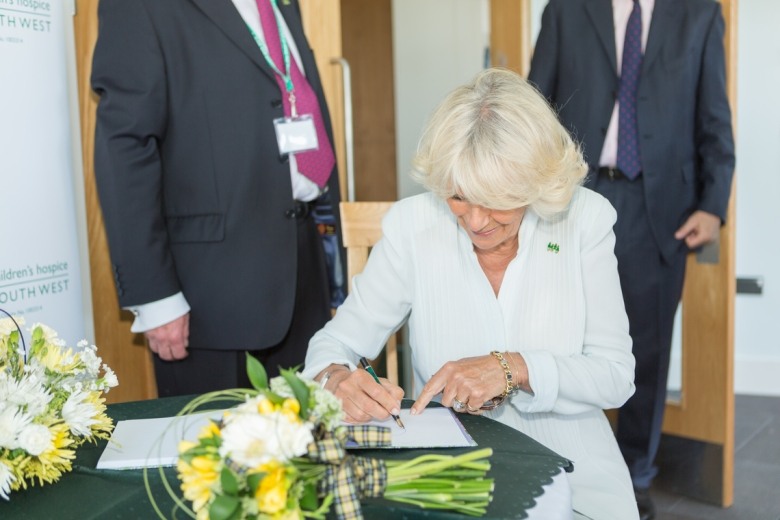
x,y
457,405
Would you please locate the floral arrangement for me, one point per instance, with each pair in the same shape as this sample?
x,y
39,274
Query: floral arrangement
x,y
50,403
280,454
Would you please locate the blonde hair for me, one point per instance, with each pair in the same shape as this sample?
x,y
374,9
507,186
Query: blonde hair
x,y
497,143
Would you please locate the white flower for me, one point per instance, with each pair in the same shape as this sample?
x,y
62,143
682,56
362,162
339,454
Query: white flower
x,y
79,414
13,421
6,479
28,392
110,377
35,439
251,439
49,334
7,325
91,361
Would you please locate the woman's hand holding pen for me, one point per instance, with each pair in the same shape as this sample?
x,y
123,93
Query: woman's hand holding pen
x,y
361,397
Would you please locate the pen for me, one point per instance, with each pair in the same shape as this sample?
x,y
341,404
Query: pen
x,y
365,365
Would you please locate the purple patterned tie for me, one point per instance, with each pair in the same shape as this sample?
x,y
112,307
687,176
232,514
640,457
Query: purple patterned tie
x,y
318,164
629,158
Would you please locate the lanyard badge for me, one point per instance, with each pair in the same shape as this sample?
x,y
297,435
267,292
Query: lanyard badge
x,y
297,132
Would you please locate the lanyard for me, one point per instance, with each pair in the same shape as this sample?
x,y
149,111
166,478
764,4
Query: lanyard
x,y
286,76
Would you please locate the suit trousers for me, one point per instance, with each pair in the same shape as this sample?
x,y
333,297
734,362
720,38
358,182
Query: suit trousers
x,y
205,370
651,289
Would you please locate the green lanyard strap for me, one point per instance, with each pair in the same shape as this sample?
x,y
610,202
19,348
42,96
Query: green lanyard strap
x,y
286,76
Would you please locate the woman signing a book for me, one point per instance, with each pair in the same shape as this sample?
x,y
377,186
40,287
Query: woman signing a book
x,y
507,275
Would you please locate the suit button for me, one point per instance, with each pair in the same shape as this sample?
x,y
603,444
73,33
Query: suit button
x,y
284,158
276,103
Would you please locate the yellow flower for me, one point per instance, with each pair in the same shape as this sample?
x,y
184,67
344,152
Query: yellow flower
x,y
61,360
210,430
198,477
49,466
265,407
291,408
271,494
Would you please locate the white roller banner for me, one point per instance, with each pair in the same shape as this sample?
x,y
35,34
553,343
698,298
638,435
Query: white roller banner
x,y
43,268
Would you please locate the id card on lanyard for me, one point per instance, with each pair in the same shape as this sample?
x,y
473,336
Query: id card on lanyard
x,y
295,133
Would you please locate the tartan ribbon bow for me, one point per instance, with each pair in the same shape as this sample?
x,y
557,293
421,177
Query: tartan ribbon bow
x,y
347,477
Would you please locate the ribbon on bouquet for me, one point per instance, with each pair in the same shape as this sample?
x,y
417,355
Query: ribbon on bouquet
x,y
347,477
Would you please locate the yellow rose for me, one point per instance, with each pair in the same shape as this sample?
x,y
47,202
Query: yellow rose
x,y
271,494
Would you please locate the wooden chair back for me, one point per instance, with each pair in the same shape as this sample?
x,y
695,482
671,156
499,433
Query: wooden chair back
x,y
361,228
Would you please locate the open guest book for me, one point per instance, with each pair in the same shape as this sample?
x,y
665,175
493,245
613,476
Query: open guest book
x,y
140,443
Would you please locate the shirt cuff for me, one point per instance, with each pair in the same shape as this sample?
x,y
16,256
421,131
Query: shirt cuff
x,y
543,379
152,315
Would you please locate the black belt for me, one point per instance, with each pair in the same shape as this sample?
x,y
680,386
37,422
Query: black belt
x,y
612,172
300,210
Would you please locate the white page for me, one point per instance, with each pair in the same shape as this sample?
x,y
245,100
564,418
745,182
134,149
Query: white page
x,y
434,428
140,443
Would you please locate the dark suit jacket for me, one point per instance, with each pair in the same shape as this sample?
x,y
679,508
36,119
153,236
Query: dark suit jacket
x,y
192,187
683,112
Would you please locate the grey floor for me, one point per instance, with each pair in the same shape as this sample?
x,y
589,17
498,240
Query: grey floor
x,y
756,469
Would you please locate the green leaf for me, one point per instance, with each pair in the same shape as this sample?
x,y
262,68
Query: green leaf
x,y
257,374
225,508
309,499
300,391
276,399
253,480
229,482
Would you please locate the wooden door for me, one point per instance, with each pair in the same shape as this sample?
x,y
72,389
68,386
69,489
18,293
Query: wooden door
x,y
124,351
696,457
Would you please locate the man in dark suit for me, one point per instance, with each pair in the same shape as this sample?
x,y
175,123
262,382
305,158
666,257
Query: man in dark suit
x,y
674,136
208,216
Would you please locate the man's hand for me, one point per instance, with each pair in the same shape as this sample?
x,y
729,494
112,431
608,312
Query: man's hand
x,y
700,228
170,341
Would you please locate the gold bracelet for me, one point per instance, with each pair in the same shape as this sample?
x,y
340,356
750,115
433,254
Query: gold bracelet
x,y
510,387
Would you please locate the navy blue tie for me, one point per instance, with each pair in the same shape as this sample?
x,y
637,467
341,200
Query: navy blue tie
x,y
629,158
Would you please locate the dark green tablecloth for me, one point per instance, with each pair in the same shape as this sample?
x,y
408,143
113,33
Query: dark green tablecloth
x,y
520,467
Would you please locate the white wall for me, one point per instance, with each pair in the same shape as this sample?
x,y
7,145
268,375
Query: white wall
x,y
757,340
437,45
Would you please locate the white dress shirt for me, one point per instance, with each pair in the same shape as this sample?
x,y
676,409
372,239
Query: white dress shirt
x,y
621,11
559,305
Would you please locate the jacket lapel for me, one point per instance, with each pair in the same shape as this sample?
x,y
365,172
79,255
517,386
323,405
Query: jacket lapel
x,y
661,25
226,17
600,14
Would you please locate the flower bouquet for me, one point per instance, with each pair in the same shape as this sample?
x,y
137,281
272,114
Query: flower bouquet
x,y
50,403
280,454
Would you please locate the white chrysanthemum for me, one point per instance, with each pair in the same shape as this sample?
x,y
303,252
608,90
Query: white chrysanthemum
x,y
79,414
6,479
35,439
110,377
7,325
12,422
28,392
252,439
